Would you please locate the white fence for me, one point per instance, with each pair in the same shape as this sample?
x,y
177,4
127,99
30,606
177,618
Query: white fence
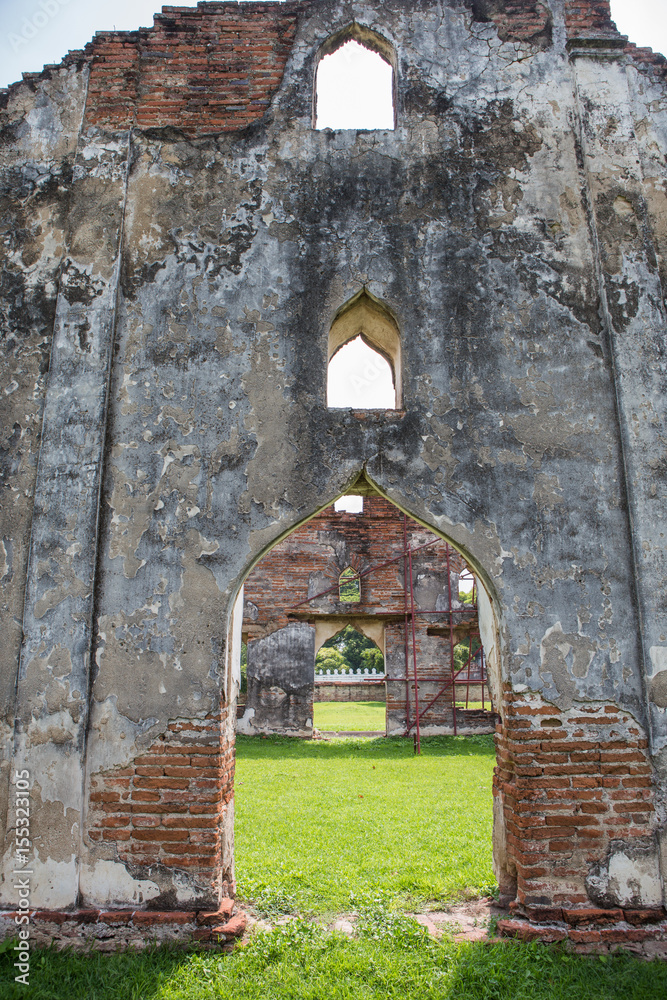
x,y
350,678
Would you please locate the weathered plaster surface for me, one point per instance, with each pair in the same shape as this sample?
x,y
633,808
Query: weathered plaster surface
x,y
513,223
280,682
629,876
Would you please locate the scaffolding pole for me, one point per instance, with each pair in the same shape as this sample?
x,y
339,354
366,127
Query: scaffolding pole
x,y
405,627
414,644
451,639
409,627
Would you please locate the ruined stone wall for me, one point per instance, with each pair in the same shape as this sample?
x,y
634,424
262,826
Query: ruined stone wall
x,y
178,275
37,154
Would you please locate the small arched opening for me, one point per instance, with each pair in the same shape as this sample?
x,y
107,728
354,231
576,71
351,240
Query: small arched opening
x,y
364,356
349,586
355,81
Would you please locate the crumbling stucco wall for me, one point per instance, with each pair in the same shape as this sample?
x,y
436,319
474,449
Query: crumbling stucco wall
x,y
180,280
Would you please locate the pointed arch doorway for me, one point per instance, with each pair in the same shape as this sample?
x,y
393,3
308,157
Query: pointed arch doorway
x,y
316,618
394,580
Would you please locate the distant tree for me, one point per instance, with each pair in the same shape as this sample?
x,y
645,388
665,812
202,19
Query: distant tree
x,y
461,652
352,645
331,659
349,586
244,667
372,659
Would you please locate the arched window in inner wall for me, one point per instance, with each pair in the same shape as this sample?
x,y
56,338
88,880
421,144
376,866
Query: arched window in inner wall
x,y
360,378
349,586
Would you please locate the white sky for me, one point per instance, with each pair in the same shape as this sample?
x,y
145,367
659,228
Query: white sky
x,y
354,90
351,504
35,32
361,378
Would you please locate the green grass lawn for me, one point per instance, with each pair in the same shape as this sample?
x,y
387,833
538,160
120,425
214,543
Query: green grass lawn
x,y
323,825
302,962
349,716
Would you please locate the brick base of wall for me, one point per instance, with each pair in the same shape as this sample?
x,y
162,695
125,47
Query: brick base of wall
x,y
574,787
586,931
591,930
112,930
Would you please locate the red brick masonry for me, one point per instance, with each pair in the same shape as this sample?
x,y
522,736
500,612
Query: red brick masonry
x,y
570,784
643,932
202,71
167,806
113,928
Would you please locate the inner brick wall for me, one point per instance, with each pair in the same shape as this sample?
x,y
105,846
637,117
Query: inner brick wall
x,y
322,548
281,580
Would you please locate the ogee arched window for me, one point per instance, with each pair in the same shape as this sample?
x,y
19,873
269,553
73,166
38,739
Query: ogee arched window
x,y
355,82
364,356
349,586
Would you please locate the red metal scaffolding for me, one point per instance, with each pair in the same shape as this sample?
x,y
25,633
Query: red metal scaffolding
x,y
457,678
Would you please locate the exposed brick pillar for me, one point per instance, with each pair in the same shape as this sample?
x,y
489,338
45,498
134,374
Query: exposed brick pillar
x,y
585,16
575,789
201,70
169,807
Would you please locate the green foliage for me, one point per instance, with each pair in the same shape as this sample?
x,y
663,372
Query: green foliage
x,y
461,651
372,659
270,947
349,590
357,650
272,902
244,667
379,923
330,658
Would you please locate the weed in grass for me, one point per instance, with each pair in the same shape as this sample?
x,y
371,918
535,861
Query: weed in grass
x,y
273,902
296,936
380,924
